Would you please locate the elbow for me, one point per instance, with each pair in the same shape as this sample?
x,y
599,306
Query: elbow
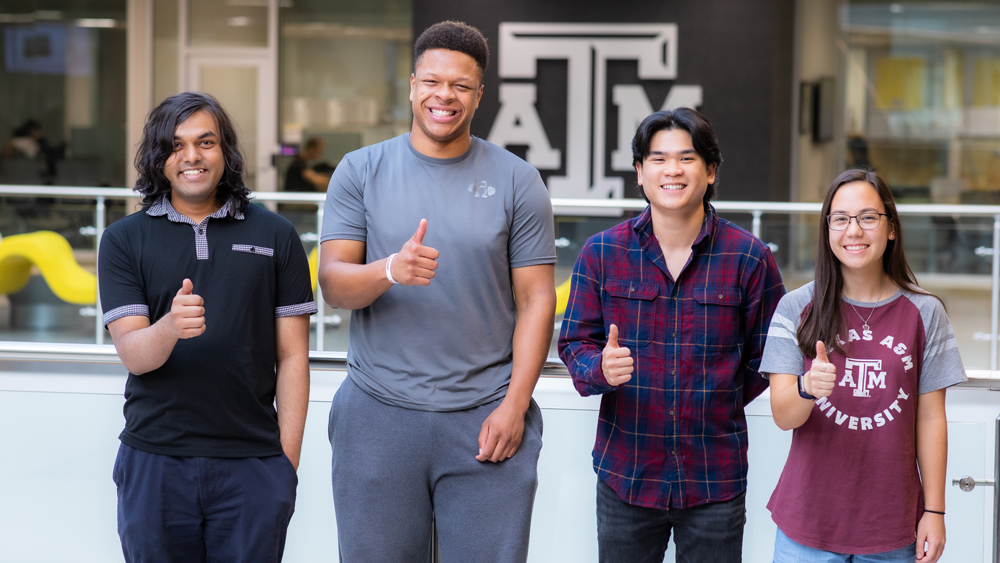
x,y
782,419
784,424
331,296
133,368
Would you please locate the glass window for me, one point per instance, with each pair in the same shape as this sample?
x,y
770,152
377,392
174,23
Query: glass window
x,y
62,90
222,23
922,98
344,75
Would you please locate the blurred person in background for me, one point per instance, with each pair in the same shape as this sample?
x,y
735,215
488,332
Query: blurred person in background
x,y
301,177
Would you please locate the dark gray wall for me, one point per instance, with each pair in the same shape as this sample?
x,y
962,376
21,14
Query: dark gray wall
x,y
739,52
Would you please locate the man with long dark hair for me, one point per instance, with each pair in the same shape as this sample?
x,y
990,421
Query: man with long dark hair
x,y
208,301
666,319
428,237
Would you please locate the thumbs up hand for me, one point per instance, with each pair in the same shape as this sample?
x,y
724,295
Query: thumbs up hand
x,y
822,375
415,263
187,313
616,361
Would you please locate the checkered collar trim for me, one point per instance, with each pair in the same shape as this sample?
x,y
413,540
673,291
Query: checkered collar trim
x,y
162,206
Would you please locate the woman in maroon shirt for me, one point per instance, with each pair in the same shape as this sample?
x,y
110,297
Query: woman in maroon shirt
x,y
858,363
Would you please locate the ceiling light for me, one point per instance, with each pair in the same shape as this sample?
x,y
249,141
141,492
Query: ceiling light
x,y
95,22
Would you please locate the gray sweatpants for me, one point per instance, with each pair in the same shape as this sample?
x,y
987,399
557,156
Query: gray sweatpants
x,y
394,467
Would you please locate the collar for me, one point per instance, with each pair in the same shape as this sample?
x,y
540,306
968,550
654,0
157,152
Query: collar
x,y
162,206
643,225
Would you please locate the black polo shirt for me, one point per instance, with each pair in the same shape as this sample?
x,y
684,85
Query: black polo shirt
x,y
214,396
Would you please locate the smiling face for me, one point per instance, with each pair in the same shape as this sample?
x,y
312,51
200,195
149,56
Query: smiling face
x,y
445,89
857,249
673,175
197,163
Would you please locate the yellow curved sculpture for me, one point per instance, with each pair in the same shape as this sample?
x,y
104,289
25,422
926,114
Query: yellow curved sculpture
x,y
54,257
562,296
314,266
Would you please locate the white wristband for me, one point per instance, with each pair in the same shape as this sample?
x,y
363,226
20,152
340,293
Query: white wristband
x,y
388,269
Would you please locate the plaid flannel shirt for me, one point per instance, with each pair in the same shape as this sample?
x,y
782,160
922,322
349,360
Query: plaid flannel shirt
x,y
675,435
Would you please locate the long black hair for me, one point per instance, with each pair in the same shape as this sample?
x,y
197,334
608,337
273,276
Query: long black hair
x,y
158,144
823,318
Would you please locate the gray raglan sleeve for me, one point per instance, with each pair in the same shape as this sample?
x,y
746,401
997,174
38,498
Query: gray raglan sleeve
x,y
781,350
942,365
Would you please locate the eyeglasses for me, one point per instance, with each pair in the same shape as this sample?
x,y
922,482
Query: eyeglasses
x,y
867,221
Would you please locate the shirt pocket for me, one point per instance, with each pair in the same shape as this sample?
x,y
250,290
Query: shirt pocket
x,y
631,306
254,249
717,319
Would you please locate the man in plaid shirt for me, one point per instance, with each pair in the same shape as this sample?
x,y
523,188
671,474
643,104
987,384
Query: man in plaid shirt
x,y
667,319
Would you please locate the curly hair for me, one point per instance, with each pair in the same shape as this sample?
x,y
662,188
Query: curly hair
x,y
158,144
454,36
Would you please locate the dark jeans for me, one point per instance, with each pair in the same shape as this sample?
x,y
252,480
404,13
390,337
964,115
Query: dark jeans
x,y
708,533
197,509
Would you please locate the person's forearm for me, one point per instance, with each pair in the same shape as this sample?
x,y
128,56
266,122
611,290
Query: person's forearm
x,y
788,408
292,399
353,286
932,450
146,349
532,336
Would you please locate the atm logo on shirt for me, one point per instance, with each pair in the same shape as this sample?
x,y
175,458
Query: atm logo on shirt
x,y
863,375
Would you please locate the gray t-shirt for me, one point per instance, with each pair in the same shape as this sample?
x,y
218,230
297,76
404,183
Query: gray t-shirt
x,y
446,346
941,364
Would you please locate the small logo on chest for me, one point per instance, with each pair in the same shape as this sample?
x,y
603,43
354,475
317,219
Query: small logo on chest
x,y
482,189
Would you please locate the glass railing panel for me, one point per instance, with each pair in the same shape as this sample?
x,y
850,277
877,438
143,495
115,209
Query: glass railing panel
x,y
949,249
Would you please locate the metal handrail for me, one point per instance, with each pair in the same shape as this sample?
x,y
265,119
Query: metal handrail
x,y
755,208
629,203
106,354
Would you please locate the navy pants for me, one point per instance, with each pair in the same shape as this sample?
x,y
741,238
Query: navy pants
x,y
191,509
707,533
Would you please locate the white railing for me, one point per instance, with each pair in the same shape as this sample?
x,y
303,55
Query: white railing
x,y
754,208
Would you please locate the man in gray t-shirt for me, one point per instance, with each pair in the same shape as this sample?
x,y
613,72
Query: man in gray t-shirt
x,y
436,416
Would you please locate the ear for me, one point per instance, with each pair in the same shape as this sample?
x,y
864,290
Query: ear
x,y
711,172
892,235
638,172
413,83
479,95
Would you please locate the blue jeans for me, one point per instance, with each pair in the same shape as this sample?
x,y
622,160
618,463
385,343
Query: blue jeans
x,y
708,533
787,550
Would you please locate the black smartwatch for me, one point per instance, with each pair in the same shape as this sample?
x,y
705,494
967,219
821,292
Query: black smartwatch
x,y
802,391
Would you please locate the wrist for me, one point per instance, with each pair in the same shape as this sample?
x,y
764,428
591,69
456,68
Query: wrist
x,y
388,269
516,401
802,389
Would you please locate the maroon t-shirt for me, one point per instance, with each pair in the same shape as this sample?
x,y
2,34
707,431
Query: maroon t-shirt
x,y
850,484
